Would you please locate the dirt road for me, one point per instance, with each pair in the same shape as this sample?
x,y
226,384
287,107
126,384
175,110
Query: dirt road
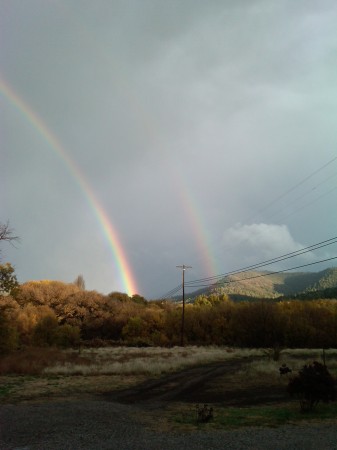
x,y
198,385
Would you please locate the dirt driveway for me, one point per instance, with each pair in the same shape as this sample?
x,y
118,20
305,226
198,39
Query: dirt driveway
x,y
199,385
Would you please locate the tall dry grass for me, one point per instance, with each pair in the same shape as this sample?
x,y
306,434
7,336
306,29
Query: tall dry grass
x,y
295,359
34,360
152,361
148,361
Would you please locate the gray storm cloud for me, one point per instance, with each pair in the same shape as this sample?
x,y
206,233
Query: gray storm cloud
x,y
239,98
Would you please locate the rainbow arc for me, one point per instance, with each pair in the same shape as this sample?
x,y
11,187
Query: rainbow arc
x,y
109,231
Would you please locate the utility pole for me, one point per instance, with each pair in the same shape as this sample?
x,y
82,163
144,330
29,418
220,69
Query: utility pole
x,y
183,267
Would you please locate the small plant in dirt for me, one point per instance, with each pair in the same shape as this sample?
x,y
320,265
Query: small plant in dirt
x,y
284,369
204,413
313,384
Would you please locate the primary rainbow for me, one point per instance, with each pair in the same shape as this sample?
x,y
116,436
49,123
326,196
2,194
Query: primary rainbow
x,y
120,259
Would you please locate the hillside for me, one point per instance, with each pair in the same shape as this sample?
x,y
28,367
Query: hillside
x,y
272,285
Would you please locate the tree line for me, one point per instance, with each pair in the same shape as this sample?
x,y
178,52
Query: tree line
x,y
53,313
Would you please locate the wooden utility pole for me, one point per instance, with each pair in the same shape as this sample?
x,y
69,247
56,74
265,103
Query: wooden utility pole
x,y
183,267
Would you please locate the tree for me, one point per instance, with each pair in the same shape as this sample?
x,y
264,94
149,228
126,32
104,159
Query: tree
x,y
79,282
45,332
8,282
8,335
68,336
7,233
135,328
45,292
119,296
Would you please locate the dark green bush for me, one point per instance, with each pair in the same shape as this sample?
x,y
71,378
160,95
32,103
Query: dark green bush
x,y
313,384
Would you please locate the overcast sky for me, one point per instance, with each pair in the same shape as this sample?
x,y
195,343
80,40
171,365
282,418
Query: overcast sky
x,y
206,130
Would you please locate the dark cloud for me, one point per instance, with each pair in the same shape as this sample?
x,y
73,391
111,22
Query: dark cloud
x,y
185,118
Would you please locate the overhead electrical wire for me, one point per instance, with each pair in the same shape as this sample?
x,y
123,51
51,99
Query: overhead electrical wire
x,y
305,194
171,292
296,185
293,188
268,262
217,280
220,283
213,280
310,203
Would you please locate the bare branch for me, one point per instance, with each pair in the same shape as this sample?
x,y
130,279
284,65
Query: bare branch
x,y
7,233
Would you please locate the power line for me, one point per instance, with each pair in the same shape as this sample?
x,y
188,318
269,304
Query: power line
x,y
297,185
219,283
171,292
310,203
299,252
292,203
283,257
293,188
216,279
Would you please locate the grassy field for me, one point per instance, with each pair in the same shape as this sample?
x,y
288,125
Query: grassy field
x,y
51,374
182,416
42,373
150,361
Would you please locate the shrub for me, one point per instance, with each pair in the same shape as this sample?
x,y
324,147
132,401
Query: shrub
x,y
313,383
45,331
8,336
68,336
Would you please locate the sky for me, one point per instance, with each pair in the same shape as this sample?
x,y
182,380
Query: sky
x,y
139,135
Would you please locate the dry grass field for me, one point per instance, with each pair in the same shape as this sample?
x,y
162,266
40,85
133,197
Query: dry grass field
x,y
65,399
45,374
164,385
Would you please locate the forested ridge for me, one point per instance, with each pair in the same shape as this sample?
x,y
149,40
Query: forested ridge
x,y
264,284
49,313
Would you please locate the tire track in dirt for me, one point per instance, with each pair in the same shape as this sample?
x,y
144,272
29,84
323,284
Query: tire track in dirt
x,y
192,385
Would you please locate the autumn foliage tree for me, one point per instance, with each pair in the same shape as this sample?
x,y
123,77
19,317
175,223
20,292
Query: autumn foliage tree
x,y
8,282
8,335
57,313
79,282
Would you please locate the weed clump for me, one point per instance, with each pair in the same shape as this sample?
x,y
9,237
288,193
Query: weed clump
x,y
313,384
204,413
284,369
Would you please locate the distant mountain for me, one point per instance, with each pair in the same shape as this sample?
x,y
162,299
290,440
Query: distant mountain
x,y
272,285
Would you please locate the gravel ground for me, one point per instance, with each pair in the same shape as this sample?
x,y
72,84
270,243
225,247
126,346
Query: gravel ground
x,y
97,424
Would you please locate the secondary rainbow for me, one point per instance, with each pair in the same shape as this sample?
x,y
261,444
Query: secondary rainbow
x,y
192,212
120,259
